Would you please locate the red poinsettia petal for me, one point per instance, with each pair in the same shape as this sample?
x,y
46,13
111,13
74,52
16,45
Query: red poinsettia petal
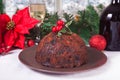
x,y
21,29
22,17
30,22
4,19
2,48
20,41
17,19
26,19
10,37
24,12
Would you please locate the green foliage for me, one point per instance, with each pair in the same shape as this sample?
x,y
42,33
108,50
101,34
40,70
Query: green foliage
x,y
86,26
89,23
65,30
100,8
49,22
68,17
45,28
1,7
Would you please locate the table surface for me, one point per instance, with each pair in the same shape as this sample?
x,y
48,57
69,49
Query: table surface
x,y
12,69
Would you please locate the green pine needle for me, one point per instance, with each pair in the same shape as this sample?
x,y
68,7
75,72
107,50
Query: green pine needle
x,y
1,6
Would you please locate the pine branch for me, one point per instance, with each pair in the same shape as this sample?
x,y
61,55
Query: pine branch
x,y
88,24
1,6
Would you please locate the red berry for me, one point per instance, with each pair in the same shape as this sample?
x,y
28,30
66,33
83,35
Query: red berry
x,y
58,28
98,42
54,29
60,23
30,43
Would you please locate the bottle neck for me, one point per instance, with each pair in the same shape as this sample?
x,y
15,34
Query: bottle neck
x,y
115,2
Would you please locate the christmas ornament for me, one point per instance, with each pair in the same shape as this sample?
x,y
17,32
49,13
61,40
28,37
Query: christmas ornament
x,y
15,28
30,43
98,42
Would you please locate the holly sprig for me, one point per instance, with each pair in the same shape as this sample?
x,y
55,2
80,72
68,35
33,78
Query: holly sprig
x,y
66,29
62,28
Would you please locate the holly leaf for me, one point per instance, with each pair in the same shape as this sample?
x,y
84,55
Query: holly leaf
x,y
63,30
59,34
68,24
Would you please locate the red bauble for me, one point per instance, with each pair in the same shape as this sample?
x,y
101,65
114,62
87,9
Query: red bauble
x,y
98,42
30,43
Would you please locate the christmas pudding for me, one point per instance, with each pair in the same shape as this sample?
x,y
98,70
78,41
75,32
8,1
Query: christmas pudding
x,y
66,51
62,52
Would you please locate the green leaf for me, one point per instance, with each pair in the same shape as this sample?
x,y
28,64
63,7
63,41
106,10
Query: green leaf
x,y
68,17
63,30
68,24
59,34
68,31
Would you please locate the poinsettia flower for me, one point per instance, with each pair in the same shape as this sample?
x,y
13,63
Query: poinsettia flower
x,y
17,27
4,19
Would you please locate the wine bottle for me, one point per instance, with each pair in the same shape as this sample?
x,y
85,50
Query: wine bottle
x,y
110,25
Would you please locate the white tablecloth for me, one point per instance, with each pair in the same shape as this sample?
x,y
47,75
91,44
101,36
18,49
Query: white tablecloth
x,y
12,69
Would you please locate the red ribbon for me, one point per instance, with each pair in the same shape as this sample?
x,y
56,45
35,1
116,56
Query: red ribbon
x,y
14,35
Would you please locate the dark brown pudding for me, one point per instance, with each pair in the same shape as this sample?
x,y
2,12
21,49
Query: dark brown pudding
x,y
66,51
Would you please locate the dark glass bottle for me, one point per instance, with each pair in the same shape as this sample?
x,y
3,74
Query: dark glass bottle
x,y
110,25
